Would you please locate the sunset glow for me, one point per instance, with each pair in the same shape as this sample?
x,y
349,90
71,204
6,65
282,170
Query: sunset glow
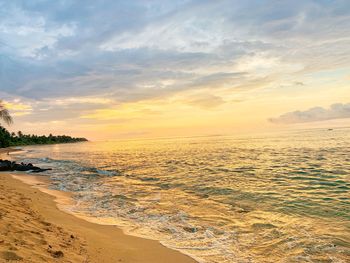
x,y
172,68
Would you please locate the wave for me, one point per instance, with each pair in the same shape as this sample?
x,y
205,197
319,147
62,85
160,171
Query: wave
x,y
232,201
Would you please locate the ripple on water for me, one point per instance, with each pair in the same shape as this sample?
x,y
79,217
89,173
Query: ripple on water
x,y
283,198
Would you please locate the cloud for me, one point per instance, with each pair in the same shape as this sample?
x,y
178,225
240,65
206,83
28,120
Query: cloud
x,y
205,101
336,111
132,51
60,48
56,110
18,108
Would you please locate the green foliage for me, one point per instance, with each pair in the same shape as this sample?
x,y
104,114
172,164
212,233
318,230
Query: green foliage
x,y
12,139
5,138
5,114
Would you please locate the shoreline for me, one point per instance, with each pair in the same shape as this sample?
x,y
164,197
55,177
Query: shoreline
x,y
7,151
34,229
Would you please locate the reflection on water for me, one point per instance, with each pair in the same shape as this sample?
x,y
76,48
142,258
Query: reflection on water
x,y
277,198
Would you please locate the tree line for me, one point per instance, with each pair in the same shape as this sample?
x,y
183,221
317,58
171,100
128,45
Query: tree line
x,y
15,139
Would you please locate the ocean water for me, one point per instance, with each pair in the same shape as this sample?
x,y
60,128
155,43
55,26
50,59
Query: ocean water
x,y
268,198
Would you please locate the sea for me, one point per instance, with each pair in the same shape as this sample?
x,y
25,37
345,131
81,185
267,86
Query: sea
x,y
279,197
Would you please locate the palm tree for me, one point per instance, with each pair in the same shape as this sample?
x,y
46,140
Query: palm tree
x,y
5,114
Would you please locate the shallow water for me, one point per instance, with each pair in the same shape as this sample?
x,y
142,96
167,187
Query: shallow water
x,y
271,198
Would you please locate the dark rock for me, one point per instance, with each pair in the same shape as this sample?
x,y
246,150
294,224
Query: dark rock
x,y
40,170
6,165
57,254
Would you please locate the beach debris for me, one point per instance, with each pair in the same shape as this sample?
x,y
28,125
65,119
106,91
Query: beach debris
x,y
6,165
55,253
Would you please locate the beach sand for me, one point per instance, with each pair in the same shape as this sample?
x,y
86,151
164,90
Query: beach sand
x,y
33,229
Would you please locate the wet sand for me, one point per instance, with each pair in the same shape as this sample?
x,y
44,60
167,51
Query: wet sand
x,y
33,229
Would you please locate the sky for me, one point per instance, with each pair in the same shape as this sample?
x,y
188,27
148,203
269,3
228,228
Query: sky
x,y
114,69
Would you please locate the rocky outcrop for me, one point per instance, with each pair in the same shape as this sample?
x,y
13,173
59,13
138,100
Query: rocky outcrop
x,y
6,166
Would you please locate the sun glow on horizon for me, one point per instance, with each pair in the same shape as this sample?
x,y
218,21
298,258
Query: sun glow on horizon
x,y
175,67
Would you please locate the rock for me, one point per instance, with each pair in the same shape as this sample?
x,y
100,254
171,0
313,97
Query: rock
x,y
57,254
40,170
6,165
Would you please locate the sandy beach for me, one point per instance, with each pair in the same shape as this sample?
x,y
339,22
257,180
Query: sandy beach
x,y
33,229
